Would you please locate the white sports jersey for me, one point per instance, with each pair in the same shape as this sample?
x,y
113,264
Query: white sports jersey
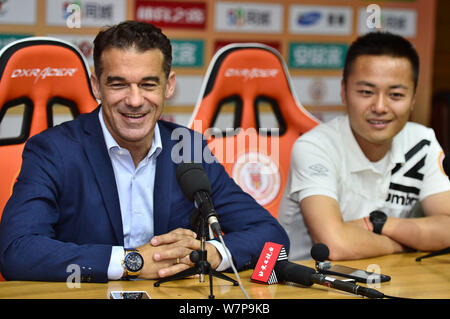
x,y
328,161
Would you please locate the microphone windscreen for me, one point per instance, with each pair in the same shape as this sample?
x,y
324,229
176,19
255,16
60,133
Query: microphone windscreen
x,y
320,252
288,271
192,178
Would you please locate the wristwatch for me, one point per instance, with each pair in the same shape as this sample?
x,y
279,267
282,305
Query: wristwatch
x,y
132,264
377,218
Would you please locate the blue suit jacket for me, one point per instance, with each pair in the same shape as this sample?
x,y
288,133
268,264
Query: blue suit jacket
x,y
65,208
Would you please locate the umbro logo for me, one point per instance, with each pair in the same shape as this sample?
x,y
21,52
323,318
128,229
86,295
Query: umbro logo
x,y
404,200
411,172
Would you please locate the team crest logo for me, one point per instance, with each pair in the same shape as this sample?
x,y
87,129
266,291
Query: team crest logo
x,y
258,175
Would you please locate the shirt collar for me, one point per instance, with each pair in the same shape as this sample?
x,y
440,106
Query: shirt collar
x,y
359,162
111,143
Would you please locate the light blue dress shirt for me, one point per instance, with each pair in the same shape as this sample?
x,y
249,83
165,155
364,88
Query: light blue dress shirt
x,y
135,188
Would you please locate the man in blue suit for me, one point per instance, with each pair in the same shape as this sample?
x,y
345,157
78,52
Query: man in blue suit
x,y
100,192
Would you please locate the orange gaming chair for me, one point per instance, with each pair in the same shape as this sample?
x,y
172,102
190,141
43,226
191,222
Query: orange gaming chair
x,y
251,79
38,75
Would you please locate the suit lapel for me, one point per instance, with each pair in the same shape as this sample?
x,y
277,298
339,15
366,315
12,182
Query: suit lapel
x,y
95,149
164,177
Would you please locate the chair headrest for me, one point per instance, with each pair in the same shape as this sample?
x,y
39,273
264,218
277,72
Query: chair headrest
x,y
248,71
40,68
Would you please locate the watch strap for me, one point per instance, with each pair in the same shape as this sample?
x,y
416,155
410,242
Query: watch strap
x,y
377,227
378,222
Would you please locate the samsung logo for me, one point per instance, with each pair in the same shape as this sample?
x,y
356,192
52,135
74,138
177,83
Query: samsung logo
x,y
309,18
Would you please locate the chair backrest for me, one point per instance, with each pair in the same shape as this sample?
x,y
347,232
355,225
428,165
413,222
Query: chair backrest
x,y
38,75
252,79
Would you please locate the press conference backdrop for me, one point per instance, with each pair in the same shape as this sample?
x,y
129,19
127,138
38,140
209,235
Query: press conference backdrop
x,y
312,36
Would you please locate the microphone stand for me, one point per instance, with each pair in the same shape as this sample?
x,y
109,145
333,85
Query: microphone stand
x,y
202,267
436,253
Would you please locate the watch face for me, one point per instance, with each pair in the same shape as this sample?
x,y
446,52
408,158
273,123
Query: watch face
x,y
134,261
378,215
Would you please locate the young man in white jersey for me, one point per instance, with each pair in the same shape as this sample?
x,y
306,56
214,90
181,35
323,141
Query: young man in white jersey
x,y
354,180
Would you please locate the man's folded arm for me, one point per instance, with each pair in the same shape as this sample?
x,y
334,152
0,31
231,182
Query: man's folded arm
x,y
344,239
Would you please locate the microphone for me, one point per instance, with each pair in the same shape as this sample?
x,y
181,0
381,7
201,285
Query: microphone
x,y
273,267
320,253
195,185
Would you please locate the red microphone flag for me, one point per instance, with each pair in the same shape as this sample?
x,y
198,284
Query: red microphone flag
x,y
263,272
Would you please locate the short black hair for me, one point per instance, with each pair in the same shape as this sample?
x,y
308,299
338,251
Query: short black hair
x,y
382,43
140,35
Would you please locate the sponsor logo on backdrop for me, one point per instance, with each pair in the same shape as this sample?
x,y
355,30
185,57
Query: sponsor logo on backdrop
x,y
86,13
239,17
187,53
91,10
399,21
248,17
177,14
309,18
18,12
317,55
333,20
